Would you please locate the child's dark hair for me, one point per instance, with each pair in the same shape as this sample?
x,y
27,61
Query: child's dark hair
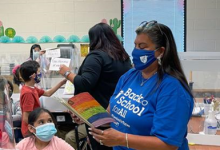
x,y
33,116
3,82
16,75
11,88
28,68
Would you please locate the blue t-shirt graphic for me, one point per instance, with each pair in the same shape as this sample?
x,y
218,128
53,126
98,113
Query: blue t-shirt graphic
x,y
151,109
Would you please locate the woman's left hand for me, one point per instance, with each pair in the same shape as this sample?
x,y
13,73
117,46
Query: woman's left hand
x,y
63,69
42,52
109,137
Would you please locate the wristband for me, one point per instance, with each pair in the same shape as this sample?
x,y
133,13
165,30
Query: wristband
x,y
66,74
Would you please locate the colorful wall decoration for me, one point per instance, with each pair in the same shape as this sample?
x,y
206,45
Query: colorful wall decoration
x,y
31,39
10,32
115,25
85,39
1,29
9,35
5,36
5,39
73,39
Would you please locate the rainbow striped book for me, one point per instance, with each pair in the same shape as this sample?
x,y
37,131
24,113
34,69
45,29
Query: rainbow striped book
x,y
85,107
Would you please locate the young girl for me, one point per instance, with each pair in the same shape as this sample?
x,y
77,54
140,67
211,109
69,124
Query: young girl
x,y
16,77
42,130
35,52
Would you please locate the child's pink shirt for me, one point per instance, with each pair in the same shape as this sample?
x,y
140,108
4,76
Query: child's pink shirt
x,y
55,144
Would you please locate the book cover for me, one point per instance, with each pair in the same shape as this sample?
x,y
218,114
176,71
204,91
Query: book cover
x,y
85,107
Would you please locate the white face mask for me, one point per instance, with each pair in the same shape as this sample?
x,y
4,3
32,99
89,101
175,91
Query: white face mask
x,y
36,55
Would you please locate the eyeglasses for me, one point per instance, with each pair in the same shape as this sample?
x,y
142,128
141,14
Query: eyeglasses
x,y
146,24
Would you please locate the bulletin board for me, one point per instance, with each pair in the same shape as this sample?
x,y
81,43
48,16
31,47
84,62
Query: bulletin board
x,y
168,12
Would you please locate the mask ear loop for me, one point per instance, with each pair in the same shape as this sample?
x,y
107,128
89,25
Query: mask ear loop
x,y
35,130
33,127
32,75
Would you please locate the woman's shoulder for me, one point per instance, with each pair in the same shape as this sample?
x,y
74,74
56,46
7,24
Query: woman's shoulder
x,y
169,82
131,71
27,91
99,53
96,55
130,74
170,79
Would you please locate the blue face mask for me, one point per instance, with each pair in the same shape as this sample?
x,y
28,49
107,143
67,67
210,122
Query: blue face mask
x,y
143,58
45,132
37,78
9,130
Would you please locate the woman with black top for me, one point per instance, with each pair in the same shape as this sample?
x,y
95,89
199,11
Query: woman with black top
x,y
101,69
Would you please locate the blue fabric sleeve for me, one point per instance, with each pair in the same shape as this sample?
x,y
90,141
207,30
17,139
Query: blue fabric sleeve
x,y
173,110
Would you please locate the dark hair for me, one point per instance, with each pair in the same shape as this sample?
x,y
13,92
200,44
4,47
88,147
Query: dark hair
x,y
33,47
103,38
16,76
33,116
162,36
12,88
28,68
3,82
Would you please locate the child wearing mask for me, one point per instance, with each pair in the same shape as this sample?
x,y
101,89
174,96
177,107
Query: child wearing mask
x,y
35,52
29,96
42,130
38,54
16,110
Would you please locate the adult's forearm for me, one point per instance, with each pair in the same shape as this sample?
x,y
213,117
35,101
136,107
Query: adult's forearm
x,y
83,84
145,143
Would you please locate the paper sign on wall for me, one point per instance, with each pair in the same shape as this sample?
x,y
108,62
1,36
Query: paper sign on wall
x,y
56,62
55,52
84,48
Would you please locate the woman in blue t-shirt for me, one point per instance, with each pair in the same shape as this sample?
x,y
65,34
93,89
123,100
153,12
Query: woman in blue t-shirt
x,y
152,103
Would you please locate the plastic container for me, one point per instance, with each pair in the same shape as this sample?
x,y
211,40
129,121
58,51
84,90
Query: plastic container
x,y
207,108
210,124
